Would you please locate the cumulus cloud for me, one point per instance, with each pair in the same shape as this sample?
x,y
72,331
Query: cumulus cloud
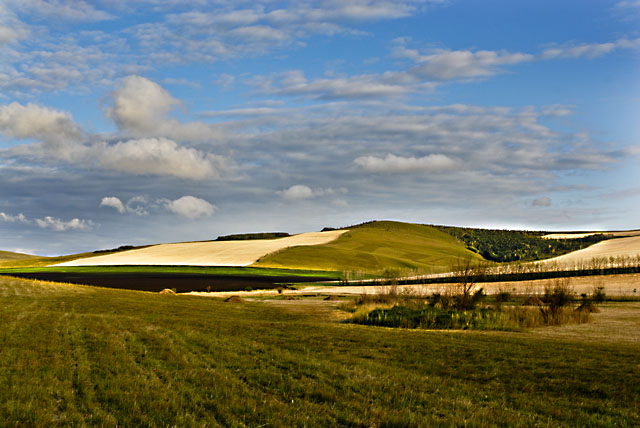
x,y
56,129
398,164
190,207
113,202
300,191
49,222
159,156
142,107
543,201
139,103
58,136
59,225
20,218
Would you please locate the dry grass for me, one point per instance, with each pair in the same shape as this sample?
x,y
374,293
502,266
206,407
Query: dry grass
x,y
617,322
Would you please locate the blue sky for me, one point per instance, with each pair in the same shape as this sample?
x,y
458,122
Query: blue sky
x,y
133,122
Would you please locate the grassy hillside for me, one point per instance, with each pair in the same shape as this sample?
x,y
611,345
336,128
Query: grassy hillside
x,y
376,246
8,256
82,356
39,261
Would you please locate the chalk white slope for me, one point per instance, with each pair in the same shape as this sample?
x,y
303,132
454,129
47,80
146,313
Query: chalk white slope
x,y
215,253
569,235
625,247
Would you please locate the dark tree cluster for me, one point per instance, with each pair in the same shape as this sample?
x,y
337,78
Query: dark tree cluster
x,y
517,245
249,236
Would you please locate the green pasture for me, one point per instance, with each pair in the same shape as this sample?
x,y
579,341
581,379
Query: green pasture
x,y
83,356
375,247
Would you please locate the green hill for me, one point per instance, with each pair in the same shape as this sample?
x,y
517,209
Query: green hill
x,y
25,260
7,256
375,247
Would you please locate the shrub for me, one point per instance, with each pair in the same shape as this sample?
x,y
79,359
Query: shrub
x,y
503,297
598,295
556,297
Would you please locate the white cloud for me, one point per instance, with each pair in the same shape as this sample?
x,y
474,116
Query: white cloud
x,y
260,32
139,104
300,191
61,138
447,65
56,129
8,34
589,50
159,156
190,207
398,164
138,205
363,86
76,10
113,202
11,28
142,107
20,218
59,225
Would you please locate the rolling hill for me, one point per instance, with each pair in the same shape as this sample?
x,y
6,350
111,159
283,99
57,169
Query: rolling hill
x,y
376,246
8,256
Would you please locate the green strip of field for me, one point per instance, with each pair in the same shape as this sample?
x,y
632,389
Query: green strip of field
x,y
376,247
83,356
168,270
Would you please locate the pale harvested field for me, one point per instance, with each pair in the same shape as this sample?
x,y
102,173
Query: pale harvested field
x,y
614,285
582,235
619,247
222,253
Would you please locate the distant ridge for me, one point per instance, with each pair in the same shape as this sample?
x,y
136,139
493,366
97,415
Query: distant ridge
x,y
6,256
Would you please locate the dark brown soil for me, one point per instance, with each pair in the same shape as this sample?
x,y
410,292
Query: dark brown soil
x,y
180,282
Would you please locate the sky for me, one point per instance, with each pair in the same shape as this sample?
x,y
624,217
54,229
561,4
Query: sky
x,y
146,121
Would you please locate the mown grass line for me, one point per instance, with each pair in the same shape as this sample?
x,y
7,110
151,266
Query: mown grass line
x,y
72,355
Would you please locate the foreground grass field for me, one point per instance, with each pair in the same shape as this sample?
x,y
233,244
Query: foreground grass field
x,y
73,355
375,247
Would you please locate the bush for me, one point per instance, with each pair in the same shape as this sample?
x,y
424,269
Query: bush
x,y
598,295
556,297
428,317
